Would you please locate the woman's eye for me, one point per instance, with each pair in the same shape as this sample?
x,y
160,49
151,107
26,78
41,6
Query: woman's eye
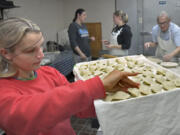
x,y
30,51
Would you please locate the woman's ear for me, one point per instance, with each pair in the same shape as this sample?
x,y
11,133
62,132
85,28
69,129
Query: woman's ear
x,y
5,53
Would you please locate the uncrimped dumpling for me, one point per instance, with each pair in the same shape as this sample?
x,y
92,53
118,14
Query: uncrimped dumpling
x,y
160,71
168,85
160,79
144,89
137,78
120,95
109,97
155,87
177,82
147,80
170,76
134,92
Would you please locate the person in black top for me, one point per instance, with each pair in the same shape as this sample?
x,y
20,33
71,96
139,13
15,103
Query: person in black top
x,y
79,37
121,35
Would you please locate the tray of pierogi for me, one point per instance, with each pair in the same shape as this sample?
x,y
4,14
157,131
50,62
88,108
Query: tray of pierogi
x,y
153,109
152,77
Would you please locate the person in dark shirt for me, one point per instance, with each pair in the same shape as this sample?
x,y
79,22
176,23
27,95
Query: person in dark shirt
x,y
121,35
79,37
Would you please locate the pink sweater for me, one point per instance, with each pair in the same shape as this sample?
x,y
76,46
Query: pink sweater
x,y
43,106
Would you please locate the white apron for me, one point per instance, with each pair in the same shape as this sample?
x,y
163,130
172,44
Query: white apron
x,y
165,47
116,51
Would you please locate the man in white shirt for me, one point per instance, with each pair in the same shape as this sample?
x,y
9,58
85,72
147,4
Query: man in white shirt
x,y
166,36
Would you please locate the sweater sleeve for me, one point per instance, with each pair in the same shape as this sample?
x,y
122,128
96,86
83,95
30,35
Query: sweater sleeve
x,y
72,32
126,35
86,113
34,113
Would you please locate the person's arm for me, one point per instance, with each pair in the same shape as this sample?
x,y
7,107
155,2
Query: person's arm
x,y
168,57
41,112
72,33
154,38
113,46
150,44
81,54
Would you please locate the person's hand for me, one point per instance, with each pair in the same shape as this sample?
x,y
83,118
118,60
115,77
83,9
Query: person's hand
x,y
110,46
83,57
92,38
117,80
106,42
167,57
147,45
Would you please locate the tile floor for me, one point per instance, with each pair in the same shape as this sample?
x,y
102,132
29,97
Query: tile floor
x,y
80,126
83,126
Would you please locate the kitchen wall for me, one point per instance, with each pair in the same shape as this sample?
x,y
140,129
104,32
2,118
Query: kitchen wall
x,y
48,14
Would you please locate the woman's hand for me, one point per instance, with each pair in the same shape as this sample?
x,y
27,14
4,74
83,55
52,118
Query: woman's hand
x,y
92,38
118,80
106,42
83,57
110,46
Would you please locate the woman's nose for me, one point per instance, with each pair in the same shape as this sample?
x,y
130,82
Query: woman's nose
x,y
40,53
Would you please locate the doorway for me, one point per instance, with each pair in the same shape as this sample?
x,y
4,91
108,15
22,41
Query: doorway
x,y
95,30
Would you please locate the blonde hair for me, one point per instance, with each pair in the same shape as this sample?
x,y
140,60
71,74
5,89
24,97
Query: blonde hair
x,y
122,14
12,31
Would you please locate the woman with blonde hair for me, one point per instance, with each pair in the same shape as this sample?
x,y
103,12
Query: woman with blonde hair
x,y
121,35
38,100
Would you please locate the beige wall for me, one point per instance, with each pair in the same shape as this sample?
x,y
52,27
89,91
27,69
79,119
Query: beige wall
x,y
48,14
97,11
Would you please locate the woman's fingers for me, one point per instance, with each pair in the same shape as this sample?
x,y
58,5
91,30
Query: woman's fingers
x,y
126,74
112,80
108,46
106,42
129,82
118,88
123,88
124,85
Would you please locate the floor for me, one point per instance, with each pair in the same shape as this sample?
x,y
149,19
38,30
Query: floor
x,y
80,126
83,126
